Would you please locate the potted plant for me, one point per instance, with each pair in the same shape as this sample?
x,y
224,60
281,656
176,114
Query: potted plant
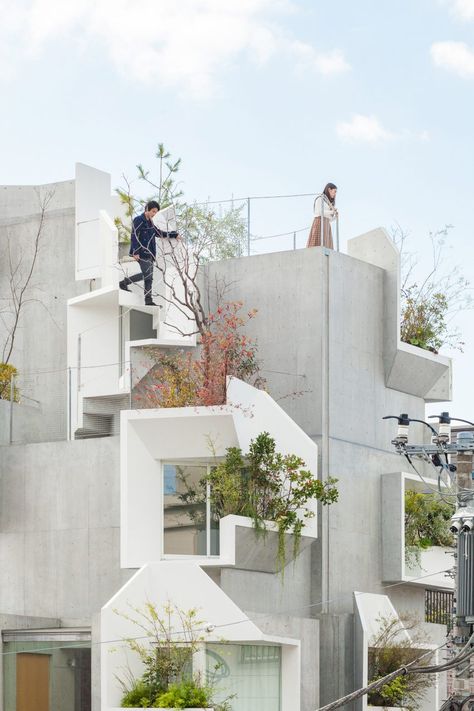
x,y
391,649
168,640
427,520
263,485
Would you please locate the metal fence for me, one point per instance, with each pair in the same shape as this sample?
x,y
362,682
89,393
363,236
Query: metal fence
x,y
48,406
36,408
439,607
76,403
275,222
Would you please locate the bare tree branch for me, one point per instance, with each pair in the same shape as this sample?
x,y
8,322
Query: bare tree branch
x,y
20,283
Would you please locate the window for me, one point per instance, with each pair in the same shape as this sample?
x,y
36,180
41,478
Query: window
x,y
249,672
189,526
43,672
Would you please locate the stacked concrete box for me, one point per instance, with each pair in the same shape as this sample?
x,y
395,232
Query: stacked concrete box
x,y
327,330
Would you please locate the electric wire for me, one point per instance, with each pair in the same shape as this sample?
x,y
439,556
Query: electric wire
x,y
401,671
431,488
210,627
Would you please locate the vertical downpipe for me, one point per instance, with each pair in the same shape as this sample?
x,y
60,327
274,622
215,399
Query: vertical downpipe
x,y
208,514
12,400
337,233
79,355
248,227
322,226
69,404
325,427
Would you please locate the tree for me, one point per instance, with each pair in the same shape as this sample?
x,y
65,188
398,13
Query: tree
x,y
430,304
21,267
264,485
225,233
181,379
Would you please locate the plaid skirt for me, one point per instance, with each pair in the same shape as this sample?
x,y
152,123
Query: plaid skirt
x,y
314,239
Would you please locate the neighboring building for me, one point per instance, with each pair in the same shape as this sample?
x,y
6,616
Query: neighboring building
x,y
90,515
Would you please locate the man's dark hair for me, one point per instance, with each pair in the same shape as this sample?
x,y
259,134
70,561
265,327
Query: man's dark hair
x,y
150,205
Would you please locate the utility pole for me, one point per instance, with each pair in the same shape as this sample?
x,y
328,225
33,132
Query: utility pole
x,y
441,453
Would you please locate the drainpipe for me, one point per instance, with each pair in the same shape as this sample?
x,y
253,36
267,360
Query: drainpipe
x,y
325,427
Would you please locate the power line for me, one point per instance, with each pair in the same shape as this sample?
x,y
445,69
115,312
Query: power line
x,y
401,671
254,197
210,627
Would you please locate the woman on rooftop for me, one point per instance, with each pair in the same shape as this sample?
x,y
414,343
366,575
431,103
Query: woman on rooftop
x,y
324,213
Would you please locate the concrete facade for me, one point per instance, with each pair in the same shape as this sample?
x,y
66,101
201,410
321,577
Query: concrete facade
x,y
327,333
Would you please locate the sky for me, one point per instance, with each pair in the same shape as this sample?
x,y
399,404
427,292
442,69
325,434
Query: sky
x,y
259,97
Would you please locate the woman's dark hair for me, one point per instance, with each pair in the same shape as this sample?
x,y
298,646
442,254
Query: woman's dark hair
x,y
151,204
330,186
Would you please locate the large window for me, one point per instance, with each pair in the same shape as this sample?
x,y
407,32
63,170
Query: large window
x,y
251,673
44,673
190,527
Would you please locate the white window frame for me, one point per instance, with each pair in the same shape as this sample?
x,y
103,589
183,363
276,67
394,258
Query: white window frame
x,y
188,463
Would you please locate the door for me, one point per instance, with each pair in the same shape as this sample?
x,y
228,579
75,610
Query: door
x,y
32,682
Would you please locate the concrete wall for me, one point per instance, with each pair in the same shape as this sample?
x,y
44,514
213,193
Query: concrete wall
x,y
320,330
59,529
40,346
306,630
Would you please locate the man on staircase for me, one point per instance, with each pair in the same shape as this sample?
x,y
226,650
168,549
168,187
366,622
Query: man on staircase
x,y
143,249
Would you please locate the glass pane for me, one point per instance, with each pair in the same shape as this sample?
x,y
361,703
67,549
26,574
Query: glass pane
x,y
184,496
250,672
215,521
67,685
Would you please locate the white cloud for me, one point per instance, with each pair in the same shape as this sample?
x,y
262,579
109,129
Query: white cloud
x,y
463,9
327,63
454,56
364,129
185,44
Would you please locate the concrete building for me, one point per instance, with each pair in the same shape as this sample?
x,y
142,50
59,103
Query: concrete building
x,y
84,523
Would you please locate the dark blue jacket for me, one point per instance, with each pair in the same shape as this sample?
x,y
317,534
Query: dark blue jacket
x,y
143,238
144,233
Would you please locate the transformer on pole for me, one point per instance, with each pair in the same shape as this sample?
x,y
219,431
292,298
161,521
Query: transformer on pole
x,y
441,453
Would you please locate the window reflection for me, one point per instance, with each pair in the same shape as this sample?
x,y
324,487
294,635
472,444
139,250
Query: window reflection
x,y
185,509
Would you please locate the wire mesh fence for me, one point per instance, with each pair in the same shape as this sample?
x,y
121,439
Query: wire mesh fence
x,y
76,403
274,222
34,408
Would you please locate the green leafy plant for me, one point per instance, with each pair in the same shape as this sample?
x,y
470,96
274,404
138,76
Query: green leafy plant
x,y
427,519
264,485
222,234
167,640
430,302
7,373
390,650
185,694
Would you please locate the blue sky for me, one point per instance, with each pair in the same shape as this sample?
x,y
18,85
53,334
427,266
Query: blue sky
x,y
258,97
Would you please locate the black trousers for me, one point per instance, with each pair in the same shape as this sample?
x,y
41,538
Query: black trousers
x,y
146,265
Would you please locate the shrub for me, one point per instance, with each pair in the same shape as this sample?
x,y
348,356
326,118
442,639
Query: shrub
x,y
263,485
180,380
427,520
391,650
185,694
7,372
